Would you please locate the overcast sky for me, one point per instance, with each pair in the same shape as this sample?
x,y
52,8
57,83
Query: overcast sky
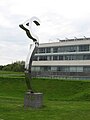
x,y
59,19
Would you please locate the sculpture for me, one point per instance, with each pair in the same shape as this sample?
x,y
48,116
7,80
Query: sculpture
x,y
27,26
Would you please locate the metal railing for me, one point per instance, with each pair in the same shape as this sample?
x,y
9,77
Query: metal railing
x,y
62,75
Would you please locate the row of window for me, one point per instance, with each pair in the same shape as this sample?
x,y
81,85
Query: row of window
x,y
62,68
74,48
62,57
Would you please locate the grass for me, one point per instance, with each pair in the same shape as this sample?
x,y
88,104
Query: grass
x,y
63,99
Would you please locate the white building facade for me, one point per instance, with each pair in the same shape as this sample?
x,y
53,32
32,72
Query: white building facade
x,y
64,59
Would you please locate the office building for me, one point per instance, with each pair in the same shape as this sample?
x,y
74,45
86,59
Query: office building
x,y
68,58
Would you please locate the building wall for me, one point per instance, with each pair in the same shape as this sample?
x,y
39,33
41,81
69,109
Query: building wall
x,y
62,63
64,58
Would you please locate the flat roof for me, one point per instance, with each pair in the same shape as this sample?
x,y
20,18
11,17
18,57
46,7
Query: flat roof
x,y
75,39
65,42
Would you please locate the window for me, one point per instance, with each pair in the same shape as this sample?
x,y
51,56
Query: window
x,y
35,58
55,57
35,68
65,69
41,58
86,57
61,68
41,50
61,49
58,68
72,48
67,57
61,57
71,57
45,68
86,68
48,50
79,57
48,57
67,49
73,69
83,48
55,49
74,57
54,68
79,69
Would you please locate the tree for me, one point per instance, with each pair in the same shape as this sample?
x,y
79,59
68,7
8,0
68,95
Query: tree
x,y
1,67
16,66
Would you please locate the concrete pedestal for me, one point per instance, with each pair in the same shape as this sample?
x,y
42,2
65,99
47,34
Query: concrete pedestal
x,y
34,100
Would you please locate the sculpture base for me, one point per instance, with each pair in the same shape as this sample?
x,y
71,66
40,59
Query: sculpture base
x,y
34,100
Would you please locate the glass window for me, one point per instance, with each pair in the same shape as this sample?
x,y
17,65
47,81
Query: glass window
x,y
55,57
55,49
86,68
66,69
73,69
68,49
48,57
32,68
48,50
35,68
67,57
61,57
41,50
83,47
42,58
79,57
45,68
35,58
62,68
53,68
86,57
74,57
73,49
58,68
61,49
79,69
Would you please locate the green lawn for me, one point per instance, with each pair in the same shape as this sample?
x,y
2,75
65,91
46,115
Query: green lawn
x,y
63,99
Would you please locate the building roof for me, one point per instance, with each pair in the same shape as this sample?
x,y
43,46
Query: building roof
x,y
66,42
